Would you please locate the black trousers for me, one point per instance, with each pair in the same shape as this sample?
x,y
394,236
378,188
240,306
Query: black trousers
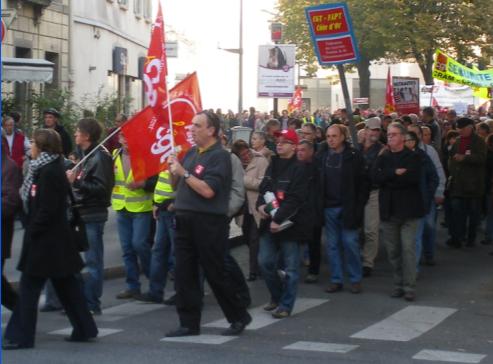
x,y
314,250
251,236
22,325
9,295
202,239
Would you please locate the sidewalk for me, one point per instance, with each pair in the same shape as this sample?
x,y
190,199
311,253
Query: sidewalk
x,y
113,263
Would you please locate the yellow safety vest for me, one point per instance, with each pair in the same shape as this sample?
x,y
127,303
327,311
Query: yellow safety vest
x,y
312,120
123,198
164,189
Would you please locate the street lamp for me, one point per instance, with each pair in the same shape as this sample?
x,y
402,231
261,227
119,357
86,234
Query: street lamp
x,y
239,51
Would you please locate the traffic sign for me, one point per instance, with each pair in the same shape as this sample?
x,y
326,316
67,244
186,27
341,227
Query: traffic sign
x,y
332,34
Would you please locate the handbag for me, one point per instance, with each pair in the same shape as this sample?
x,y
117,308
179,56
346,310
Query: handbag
x,y
77,226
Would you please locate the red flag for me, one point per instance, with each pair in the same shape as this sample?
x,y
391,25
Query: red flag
x,y
155,67
389,95
297,100
148,133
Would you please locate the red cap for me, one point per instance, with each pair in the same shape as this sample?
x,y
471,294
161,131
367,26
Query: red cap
x,y
289,135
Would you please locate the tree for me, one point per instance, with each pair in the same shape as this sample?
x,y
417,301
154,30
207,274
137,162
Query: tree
x,y
367,28
460,28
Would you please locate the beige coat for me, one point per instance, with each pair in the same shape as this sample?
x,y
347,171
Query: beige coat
x,y
254,173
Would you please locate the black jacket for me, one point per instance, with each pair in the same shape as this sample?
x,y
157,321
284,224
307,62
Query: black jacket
x,y
66,140
287,179
48,249
93,186
355,190
400,196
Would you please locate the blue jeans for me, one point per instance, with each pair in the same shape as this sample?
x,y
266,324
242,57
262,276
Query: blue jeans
x,y
271,253
426,235
165,236
134,229
94,257
341,241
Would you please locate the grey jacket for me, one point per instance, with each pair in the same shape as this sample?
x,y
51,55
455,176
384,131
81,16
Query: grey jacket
x,y
432,153
237,196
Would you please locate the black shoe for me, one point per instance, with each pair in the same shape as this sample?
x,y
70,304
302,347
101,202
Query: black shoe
x,y
10,345
73,339
127,294
147,297
397,293
237,327
96,312
453,244
170,301
49,308
410,296
367,272
252,277
183,331
486,242
430,261
470,244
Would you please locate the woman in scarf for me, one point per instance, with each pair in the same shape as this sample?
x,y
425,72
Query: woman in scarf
x,y
48,251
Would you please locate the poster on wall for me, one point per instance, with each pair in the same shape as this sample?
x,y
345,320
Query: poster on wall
x,y
276,70
406,94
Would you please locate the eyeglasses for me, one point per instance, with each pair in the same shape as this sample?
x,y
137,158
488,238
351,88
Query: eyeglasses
x,y
392,135
284,142
409,140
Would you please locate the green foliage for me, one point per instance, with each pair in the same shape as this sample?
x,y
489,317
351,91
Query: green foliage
x,y
399,30
8,104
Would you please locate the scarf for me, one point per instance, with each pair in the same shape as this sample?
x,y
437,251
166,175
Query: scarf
x,y
34,166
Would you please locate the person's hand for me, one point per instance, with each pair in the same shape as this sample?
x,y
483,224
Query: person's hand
x,y
135,185
459,157
274,227
71,175
400,171
263,214
175,167
155,211
439,200
171,207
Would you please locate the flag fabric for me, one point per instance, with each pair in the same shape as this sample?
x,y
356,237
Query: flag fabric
x,y
389,95
296,101
148,133
155,66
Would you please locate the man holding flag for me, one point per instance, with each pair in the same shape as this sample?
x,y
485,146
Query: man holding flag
x,y
201,204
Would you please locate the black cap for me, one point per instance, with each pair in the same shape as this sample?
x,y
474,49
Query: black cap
x,y
463,122
52,111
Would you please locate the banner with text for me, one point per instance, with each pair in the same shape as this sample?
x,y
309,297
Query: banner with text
x,y
332,34
276,70
406,95
448,69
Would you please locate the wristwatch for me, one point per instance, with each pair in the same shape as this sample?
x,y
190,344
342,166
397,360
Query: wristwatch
x,y
186,175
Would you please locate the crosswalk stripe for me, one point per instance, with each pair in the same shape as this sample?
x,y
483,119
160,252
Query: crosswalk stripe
x,y
406,324
125,310
449,356
323,347
201,339
261,318
102,332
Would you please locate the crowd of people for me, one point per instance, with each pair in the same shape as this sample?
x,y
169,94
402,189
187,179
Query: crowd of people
x,y
298,184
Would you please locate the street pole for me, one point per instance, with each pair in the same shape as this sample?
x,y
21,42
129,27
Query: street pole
x,y
240,63
347,101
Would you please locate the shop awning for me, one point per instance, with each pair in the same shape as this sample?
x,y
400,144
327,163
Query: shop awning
x,y
26,70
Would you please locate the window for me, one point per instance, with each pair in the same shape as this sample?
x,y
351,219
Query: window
x,y
147,9
138,8
54,58
123,4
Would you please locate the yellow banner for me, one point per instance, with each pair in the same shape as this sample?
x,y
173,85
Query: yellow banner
x,y
448,69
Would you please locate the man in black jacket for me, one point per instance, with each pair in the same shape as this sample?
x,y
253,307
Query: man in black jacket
x,y
285,180
398,173
92,184
344,194
51,117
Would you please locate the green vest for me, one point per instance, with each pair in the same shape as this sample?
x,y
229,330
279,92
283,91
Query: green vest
x,y
123,198
164,189
312,120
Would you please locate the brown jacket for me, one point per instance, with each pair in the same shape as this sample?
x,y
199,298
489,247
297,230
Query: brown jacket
x,y
254,173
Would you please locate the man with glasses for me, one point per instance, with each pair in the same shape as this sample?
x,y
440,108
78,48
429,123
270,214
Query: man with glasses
x,y
398,173
285,179
309,133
